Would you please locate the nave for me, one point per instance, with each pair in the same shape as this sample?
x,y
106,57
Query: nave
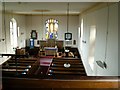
x,y
50,73
46,66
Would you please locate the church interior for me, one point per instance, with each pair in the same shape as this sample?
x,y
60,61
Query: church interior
x,y
59,45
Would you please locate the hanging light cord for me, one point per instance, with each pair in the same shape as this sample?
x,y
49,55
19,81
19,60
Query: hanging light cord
x,y
12,13
42,18
4,25
107,31
67,17
42,24
31,21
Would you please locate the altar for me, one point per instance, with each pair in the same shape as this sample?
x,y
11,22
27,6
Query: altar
x,y
50,51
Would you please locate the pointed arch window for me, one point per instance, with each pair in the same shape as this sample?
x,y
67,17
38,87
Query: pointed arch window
x,y
13,33
51,28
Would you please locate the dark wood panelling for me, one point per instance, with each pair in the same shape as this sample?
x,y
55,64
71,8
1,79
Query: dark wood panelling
x,y
57,83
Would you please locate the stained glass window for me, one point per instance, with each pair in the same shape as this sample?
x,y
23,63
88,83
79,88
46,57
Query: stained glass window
x,y
51,29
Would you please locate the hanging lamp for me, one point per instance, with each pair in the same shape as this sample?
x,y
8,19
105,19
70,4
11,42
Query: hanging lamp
x,y
33,32
68,35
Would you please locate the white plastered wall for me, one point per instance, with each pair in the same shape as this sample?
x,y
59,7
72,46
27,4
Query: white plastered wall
x,y
0,26
37,22
25,24
20,19
99,18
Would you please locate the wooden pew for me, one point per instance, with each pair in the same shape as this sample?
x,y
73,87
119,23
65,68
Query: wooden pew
x,y
24,66
18,67
80,83
59,81
57,67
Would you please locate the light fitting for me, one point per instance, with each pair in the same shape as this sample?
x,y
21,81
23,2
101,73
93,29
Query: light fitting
x,y
41,10
67,65
67,17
